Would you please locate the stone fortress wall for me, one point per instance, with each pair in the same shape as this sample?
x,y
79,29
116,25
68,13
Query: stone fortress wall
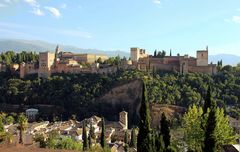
x,y
182,64
67,62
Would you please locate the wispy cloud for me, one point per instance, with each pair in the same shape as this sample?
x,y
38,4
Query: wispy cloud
x,y
55,12
157,2
12,28
236,19
37,11
33,3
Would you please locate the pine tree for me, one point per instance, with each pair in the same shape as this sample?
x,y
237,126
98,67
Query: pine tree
x,y
144,135
84,137
133,142
103,140
210,144
165,130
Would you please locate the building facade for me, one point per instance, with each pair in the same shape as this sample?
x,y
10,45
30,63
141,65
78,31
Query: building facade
x,y
182,64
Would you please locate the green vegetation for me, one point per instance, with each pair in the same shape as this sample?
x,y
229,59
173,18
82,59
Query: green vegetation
x,y
103,138
85,138
133,142
78,93
209,130
144,142
10,57
22,125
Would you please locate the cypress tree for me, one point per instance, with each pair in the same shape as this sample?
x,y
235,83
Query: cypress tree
x,y
144,135
165,130
207,103
103,140
126,137
89,141
126,146
133,142
92,131
210,139
170,52
90,136
84,137
160,146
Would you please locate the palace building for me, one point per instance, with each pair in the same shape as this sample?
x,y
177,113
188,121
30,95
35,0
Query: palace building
x,y
61,62
182,64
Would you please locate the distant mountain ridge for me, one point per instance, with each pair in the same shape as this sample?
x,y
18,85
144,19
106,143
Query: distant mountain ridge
x,y
39,46
228,59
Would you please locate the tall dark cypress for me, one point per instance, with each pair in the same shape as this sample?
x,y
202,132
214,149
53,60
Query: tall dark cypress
x,y
207,103
126,137
85,138
144,135
103,139
133,142
90,136
126,147
160,146
165,130
210,139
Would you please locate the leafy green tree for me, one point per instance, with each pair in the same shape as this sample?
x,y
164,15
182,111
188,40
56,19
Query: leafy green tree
x,y
165,130
193,133
22,125
9,120
1,125
144,142
103,138
85,137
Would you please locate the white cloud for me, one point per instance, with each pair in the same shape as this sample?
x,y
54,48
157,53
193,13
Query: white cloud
x,y
63,6
36,11
236,19
55,12
32,3
157,1
3,5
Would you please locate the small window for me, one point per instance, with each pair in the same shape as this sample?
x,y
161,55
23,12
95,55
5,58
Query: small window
x,y
202,55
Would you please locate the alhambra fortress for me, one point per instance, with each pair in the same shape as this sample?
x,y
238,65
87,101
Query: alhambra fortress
x,y
67,62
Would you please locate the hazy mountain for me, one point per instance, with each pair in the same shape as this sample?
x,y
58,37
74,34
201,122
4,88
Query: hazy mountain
x,y
226,58
39,46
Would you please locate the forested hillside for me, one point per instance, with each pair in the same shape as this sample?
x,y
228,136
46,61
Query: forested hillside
x,y
80,92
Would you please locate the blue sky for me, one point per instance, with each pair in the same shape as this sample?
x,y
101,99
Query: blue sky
x,y
181,25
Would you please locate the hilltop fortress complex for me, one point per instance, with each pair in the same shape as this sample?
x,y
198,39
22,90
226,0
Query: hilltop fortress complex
x,y
182,64
67,62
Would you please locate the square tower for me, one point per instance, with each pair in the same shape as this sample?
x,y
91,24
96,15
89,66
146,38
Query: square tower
x,y
202,57
46,61
135,54
123,119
